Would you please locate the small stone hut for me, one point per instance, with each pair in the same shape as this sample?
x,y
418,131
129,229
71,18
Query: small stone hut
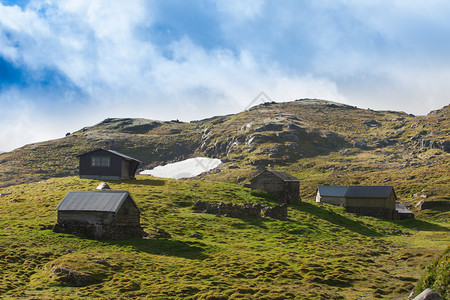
x,y
283,185
107,164
99,214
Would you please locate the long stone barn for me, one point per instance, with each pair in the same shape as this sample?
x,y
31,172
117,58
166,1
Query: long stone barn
x,y
99,215
376,201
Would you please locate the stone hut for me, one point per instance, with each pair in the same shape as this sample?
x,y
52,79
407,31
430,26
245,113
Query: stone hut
x,y
107,164
280,184
99,214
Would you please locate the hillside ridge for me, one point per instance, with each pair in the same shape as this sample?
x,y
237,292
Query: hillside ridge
x,y
322,141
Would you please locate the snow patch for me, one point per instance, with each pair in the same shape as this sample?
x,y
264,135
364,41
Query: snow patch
x,y
184,169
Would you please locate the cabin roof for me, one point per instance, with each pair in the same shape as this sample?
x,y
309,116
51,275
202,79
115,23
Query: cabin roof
x,y
112,152
332,191
282,175
369,191
101,201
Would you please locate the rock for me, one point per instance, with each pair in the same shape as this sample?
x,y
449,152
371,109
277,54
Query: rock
x,y
5,194
360,144
73,277
269,127
257,139
159,234
175,131
46,227
288,136
371,123
428,294
103,186
100,262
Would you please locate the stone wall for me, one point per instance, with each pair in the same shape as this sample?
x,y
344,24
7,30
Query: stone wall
x,y
248,210
100,231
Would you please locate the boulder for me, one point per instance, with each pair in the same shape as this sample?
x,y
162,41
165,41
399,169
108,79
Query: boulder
x,y
72,277
269,127
371,123
103,186
360,144
428,294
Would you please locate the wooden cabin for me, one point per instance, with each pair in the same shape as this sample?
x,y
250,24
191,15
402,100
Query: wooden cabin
x,y
375,201
107,164
280,184
331,194
99,214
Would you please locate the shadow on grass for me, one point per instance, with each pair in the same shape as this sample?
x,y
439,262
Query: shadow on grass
x,y
418,225
336,219
154,182
169,247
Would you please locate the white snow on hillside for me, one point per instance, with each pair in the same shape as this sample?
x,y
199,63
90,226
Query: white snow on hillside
x,y
184,169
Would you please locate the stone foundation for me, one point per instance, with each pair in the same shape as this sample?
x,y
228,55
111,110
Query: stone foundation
x,y
96,231
248,210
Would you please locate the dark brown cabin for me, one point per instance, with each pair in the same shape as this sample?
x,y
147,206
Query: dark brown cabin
x,y
375,201
99,214
280,184
107,164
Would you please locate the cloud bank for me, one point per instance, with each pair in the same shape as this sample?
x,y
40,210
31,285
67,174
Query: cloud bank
x,y
68,64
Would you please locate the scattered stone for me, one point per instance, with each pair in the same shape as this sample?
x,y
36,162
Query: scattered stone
x,y
248,210
175,131
360,144
73,277
103,186
269,127
428,294
159,234
46,227
196,235
371,123
100,262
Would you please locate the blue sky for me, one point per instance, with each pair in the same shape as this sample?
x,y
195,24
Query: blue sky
x,y
69,64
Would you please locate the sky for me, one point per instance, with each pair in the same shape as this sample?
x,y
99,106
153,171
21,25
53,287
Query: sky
x,y
69,64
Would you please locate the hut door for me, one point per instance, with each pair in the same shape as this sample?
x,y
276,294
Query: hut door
x,y
125,168
98,231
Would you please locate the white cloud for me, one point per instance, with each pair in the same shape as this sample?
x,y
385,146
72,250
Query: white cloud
x,y
361,53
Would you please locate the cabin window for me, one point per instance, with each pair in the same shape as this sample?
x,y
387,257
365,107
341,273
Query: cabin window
x,y
100,161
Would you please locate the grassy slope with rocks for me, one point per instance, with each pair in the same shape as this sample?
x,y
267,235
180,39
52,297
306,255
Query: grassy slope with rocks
x,y
319,252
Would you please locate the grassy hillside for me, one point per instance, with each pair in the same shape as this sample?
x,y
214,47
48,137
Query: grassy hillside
x,y
320,252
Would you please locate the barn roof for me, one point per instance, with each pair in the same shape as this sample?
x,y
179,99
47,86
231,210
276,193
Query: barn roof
x,y
332,191
369,191
102,201
282,175
112,152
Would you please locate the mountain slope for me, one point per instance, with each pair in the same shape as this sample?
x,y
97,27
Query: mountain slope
x,y
318,141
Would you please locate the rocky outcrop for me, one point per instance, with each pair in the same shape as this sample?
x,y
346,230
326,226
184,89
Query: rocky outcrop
x,y
428,294
248,210
72,277
269,127
371,123
418,142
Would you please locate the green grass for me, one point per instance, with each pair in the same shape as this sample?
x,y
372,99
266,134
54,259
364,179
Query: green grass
x,y
319,252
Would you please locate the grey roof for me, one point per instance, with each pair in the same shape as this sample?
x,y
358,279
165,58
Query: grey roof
x,y
332,191
104,201
282,175
113,152
369,191
401,208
